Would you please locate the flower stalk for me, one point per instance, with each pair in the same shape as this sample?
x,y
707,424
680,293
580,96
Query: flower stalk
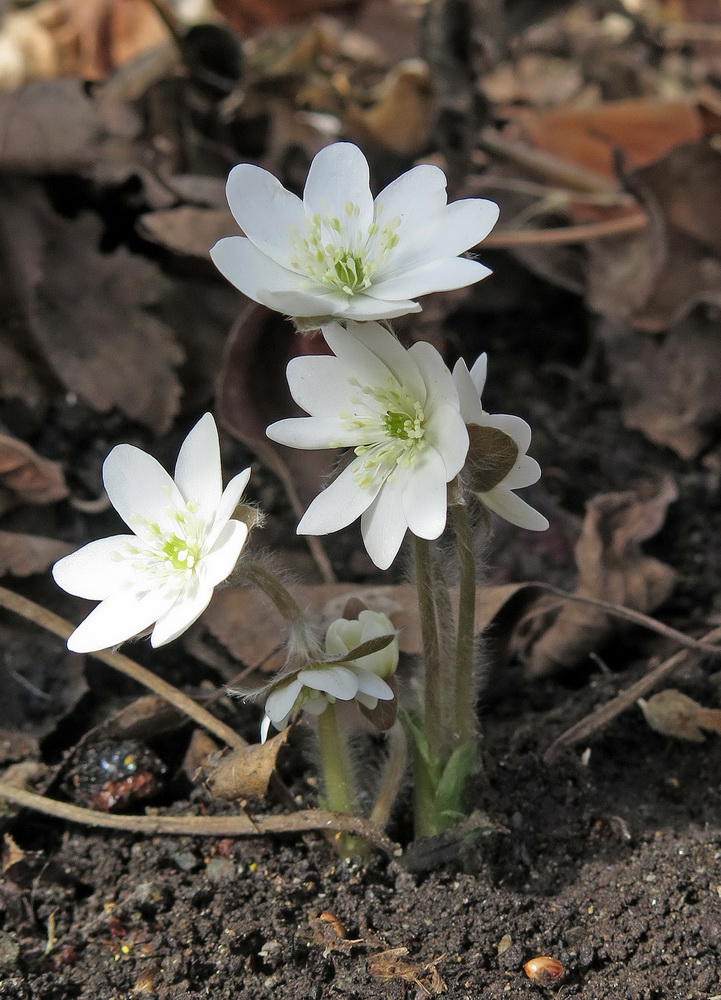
x,y
465,689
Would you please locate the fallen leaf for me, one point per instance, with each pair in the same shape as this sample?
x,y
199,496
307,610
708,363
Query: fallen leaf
x,y
104,344
26,477
200,749
249,15
669,385
23,555
246,772
187,230
611,567
400,117
643,130
675,714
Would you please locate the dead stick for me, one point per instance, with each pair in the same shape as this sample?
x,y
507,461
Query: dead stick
x,y
608,712
567,234
124,665
637,617
241,825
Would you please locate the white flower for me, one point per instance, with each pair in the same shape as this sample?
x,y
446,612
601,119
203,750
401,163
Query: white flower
x,y
320,684
523,471
399,410
345,634
184,544
338,253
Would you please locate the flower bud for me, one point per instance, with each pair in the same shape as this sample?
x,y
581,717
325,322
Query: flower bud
x,y
345,634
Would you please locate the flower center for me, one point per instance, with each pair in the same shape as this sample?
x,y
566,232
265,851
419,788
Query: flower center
x,y
167,555
395,428
337,254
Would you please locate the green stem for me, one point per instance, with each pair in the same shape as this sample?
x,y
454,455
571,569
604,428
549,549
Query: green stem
x,y
338,778
433,704
446,648
465,694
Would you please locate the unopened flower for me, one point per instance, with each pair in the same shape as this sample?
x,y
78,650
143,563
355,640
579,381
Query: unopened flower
x,y
337,252
497,461
184,544
343,677
399,411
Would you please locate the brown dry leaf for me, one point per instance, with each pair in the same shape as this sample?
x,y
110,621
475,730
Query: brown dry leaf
x,y
23,555
642,129
675,714
246,772
188,230
26,477
254,632
200,749
104,344
253,392
247,16
402,113
669,386
393,964
611,567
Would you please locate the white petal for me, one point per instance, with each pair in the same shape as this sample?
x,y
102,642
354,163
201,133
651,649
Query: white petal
x,y
342,635
383,525
91,571
279,703
441,389
320,384
355,347
471,409
479,372
264,210
514,427
365,307
340,682
513,509
447,434
417,198
338,175
425,499
367,701
338,505
231,497
526,472
197,472
138,486
311,433
219,562
464,224
119,617
373,685
317,705
314,302
265,728
437,275
253,273
386,348
186,610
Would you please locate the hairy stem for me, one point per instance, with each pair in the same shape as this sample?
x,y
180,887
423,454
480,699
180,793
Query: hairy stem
x,y
433,713
465,692
281,597
391,776
338,778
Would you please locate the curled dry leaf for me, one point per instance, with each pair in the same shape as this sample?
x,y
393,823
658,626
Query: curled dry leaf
x,y
675,714
400,117
246,772
26,477
611,567
669,386
104,344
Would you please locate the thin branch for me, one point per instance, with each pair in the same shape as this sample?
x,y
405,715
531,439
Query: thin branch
x,y
560,235
204,826
608,712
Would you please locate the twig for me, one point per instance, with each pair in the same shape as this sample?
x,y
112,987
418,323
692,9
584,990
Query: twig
x,y
606,713
204,826
559,235
637,617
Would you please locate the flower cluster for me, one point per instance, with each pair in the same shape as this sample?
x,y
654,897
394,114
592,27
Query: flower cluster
x,y
344,676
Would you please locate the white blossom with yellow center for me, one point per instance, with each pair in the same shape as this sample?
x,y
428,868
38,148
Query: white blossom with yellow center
x,y
184,544
337,253
399,411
